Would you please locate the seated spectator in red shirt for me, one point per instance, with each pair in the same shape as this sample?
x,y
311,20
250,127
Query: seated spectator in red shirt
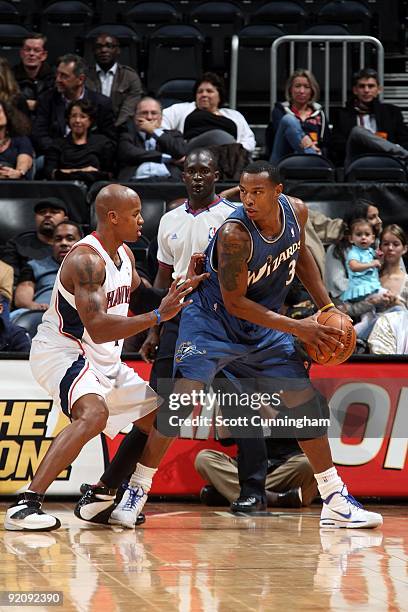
x,y
81,154
16,150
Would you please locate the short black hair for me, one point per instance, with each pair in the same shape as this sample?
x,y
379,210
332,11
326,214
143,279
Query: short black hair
x,y
86,107
69,222
365,73
259,166
216,81
198,151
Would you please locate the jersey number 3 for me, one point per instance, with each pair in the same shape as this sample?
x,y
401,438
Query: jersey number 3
x,y
292,269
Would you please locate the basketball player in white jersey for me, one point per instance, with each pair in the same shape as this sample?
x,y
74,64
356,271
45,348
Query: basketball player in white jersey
x,y
75,355
185,230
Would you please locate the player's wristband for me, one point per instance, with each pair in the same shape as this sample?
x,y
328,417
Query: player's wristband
x,y
327,307
158,315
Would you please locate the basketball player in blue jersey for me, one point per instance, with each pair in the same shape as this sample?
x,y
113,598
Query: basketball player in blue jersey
x,y
75,355
234,324
182,231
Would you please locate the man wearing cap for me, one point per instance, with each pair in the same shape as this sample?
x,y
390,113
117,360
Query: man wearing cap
x,y
35,244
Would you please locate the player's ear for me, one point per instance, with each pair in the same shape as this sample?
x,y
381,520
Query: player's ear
x,y
278,189
112,216
216,175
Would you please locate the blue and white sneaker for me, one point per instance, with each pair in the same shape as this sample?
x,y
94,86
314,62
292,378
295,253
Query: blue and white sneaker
x,y
129,507
97,504
347,512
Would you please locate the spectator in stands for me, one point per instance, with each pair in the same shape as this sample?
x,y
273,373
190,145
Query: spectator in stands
x,y
362,263
289,482
120,83
37,278
13,338
146,150
367,125
50,121
335,267
33,75
6,285
206,121
390,334
81,155
10,92
35,244
298,125
393,276
16,150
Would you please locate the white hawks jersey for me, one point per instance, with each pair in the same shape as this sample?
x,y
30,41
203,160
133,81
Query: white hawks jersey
x,y
61,325
183,231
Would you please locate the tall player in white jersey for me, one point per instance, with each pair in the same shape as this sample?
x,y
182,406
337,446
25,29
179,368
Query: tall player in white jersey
x,y
76,353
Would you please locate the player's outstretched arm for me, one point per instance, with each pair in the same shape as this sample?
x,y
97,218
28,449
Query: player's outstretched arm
x,y
83,275
233,251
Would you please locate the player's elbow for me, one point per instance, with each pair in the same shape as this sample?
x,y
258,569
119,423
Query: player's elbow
x,y
96,333
233,307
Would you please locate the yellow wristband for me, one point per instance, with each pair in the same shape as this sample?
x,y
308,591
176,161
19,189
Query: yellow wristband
x,y
324,308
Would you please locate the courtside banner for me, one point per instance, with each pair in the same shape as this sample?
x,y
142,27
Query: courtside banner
x,y
368,432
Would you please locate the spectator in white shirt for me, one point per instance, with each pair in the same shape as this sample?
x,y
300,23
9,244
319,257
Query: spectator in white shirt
x,y
206,121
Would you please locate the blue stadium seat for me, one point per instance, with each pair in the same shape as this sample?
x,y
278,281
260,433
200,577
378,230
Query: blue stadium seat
x,y
354,15
11,37
218,21
285,14
64,23
305,167
177,90
175,52
378,168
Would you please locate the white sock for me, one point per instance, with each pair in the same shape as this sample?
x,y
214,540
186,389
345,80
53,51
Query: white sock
x,y
142,477
329,482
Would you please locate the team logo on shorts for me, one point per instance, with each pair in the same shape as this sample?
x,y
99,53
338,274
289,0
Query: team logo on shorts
x,y
186,349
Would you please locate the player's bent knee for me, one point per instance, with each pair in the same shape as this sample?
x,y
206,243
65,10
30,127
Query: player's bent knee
x,y
92,412
309,420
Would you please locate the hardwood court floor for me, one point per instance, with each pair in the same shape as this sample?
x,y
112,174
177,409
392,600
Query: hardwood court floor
x,y
189,558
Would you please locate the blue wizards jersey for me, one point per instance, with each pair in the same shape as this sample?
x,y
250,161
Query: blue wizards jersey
x,y
271,265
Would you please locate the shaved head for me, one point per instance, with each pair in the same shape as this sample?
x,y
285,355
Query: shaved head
x,y
114,198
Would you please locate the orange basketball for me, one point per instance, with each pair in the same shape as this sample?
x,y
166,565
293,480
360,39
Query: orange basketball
x,y
341,321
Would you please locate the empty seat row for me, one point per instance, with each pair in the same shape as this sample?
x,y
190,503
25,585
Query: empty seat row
x,y
66,21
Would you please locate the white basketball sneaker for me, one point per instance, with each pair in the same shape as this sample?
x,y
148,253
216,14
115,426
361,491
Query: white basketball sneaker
x,y
341,510
129,507
26,515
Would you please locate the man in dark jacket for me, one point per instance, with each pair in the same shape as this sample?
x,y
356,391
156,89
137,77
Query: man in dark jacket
x,y
51,121
367,125
34,244
33,75
120,83
13,338
147,151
